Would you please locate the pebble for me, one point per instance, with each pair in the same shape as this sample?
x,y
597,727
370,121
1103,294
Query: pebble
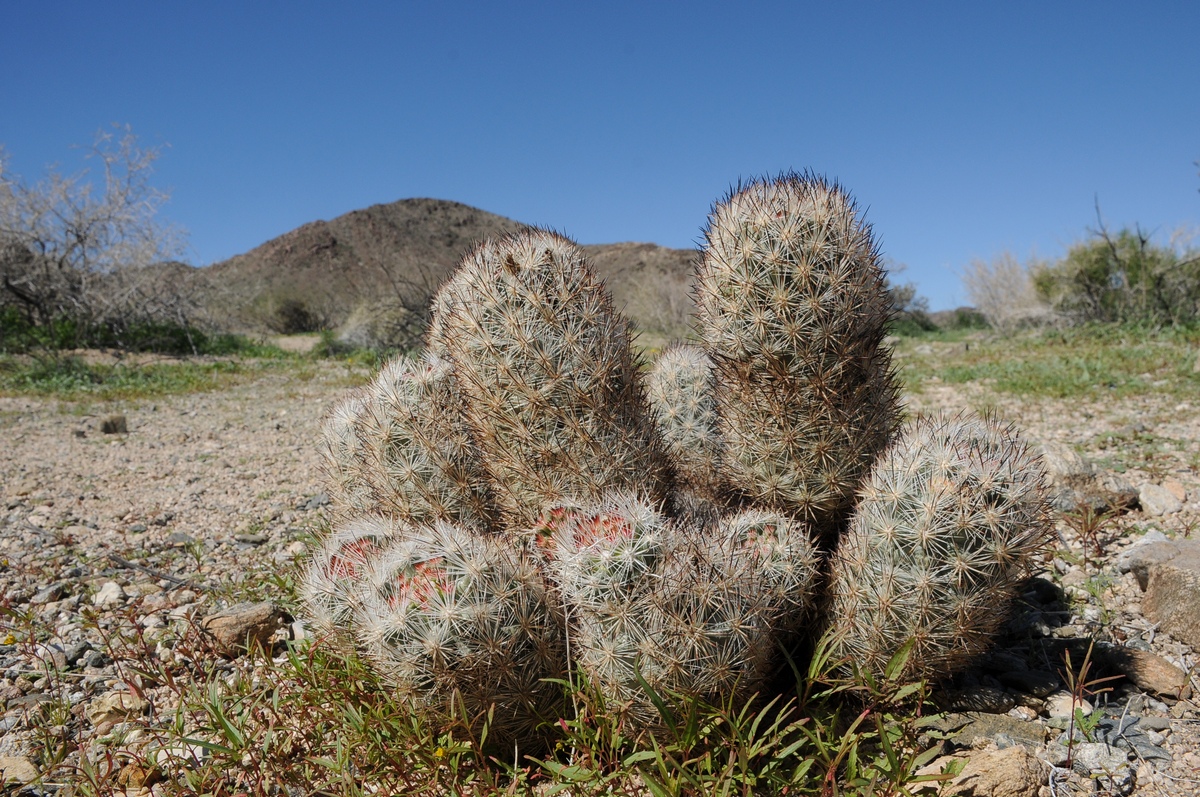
x,y
232,628
1062,705
109,595
114,424
54,592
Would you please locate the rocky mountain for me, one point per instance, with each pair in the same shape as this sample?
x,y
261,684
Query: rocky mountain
x,y
392,257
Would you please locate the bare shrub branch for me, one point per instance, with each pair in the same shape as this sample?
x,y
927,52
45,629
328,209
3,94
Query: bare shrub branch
x,y
1003,290
88,246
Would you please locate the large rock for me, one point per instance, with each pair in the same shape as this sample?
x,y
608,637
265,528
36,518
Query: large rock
x,y
1149,671
1169,572
1011,772
244,625
972,729
115,707
1157,500
17,769
1078,484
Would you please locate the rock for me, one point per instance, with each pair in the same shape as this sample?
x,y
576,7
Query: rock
x,y
49,594
1012,772
1175,488
1062,705
77,652
110,594
17,769
1092,759
177,539
1148,671
316,502
136,776
1172,586
1077,484
1023,713
114,707
1135,553
51,655
245,622
1157,500
975,729
114,424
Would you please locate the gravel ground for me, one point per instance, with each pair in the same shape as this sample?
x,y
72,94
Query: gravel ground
x,y
209,490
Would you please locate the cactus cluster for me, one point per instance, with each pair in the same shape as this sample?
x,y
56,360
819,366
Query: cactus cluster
x,y
528,501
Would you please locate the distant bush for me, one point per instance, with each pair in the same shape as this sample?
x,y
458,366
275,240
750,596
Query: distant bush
x,y
85,262
295,316
1003,292
965,318
1123,278
20,335
910,311
384,325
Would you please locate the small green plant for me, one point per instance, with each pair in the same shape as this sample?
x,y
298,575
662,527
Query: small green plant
x,y
1088,523
1094,361
1082,686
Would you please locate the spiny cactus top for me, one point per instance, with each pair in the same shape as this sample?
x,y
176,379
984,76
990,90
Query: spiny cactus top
x,y
551,386
680,391
792,307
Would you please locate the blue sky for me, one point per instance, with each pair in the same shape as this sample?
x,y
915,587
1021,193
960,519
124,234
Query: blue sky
x,y
964,129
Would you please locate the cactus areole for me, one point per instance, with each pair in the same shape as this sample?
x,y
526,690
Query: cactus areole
x,y
525,500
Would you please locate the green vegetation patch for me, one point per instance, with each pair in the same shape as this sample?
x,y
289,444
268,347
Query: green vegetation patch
x,y
1090,361
72,378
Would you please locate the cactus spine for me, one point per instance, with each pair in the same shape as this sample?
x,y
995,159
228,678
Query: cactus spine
x,y
331,583
343,460
951,519
551,387
666,535
792,307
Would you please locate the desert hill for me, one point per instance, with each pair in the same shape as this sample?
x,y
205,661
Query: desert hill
x,y
392,257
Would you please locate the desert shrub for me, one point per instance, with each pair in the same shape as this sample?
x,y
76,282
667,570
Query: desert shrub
x,y
910,310
295,316
1122,278
20,335
1003,291
84,261
965,318
384,325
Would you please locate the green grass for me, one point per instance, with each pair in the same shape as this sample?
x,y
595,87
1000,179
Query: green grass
x,y
1088,362
72,379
